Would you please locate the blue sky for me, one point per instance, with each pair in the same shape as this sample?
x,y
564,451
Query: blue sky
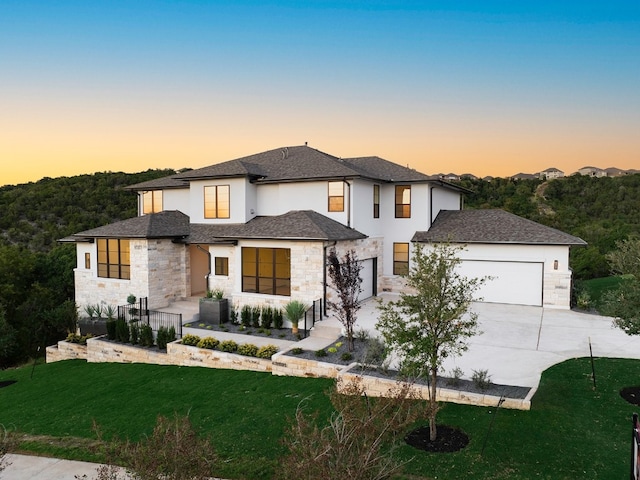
x,y
491,87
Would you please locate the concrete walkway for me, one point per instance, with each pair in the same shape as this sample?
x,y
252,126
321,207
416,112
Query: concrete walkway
x,y
26,467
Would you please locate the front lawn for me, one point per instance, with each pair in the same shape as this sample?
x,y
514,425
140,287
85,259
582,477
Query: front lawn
x,y
571,431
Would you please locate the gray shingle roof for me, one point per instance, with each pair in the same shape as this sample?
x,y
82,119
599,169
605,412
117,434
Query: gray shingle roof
x,y
160,183
293,225
300,163
168,224
492,226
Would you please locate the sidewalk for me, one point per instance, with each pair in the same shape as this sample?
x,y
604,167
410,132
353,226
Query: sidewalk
x,y
26,467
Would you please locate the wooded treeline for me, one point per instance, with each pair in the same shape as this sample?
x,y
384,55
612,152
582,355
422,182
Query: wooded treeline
x,y
601,211
36,272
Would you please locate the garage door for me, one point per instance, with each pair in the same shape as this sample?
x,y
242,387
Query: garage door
x,y
517,283
368,275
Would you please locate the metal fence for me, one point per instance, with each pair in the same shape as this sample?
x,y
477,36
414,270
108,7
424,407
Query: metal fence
x,y
138,312
312,315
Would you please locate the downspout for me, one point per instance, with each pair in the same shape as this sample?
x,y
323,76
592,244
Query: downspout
x,y
324,277
208,255
349,199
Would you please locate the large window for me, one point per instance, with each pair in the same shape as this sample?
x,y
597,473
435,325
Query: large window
x,y
222,266
216,201
400,258
113,258
376,201
403,201
152,201
336,196
266,270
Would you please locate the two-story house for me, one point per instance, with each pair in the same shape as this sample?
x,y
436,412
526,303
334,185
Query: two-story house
x,y
260,228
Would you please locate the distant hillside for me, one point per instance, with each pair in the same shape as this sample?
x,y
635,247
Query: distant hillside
x,y
35,215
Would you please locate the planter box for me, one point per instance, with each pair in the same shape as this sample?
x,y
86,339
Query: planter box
x,y
214,311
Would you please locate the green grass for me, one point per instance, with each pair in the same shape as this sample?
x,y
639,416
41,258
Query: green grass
x,y
572,431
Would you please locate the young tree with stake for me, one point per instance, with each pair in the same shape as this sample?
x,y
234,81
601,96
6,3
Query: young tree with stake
x,y
433,322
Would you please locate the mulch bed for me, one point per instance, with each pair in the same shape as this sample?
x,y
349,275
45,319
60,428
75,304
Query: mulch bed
x,y
631,394
277,333
448,439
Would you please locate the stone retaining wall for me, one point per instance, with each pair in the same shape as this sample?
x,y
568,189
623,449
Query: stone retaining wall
x,y
98,350
291,366
379,387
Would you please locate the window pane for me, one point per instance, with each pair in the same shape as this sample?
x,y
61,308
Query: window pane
x,y
222,266
102,270
210,202
336,196
124,252
157,201
403,201
125,272
376,201
249,284
147,202
87,260
283,287
265,285
223,201
102,250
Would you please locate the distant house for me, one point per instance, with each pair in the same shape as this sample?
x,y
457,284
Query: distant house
x,y
524,176
551,173
615,172
260,229
592,172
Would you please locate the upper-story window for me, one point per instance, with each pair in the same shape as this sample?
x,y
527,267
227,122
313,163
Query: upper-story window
x,y
403,201
151,201
336,196
114,258
376,201
216,201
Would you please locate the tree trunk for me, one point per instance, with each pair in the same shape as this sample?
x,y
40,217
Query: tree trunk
x,y
433,408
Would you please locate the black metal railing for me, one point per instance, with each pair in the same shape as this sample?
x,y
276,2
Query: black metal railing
x,y
138,312
312,315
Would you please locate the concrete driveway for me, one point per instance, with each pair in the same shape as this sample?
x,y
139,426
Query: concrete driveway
x,y
518,342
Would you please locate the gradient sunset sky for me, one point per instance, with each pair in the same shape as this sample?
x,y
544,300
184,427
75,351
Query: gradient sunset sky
x,y
487,87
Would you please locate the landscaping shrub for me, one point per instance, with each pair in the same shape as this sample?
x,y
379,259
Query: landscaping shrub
x,y
255,317
190,339
346,356
245,315
278,318
134,328
111,329
267,351
79,339
162,338
297,350
208,342
321,353
229,346
481,379
146,336
266,317
122,331
171,335
248,350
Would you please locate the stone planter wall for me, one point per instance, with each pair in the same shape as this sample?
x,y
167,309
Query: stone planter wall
x,y
100,350
66,351
189,356
379,387
292,366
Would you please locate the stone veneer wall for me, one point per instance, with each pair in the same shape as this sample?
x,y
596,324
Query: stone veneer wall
x,y
292,366
159,271
66,351
557,290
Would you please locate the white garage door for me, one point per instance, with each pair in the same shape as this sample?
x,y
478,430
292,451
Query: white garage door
x,y
368,275
517,283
